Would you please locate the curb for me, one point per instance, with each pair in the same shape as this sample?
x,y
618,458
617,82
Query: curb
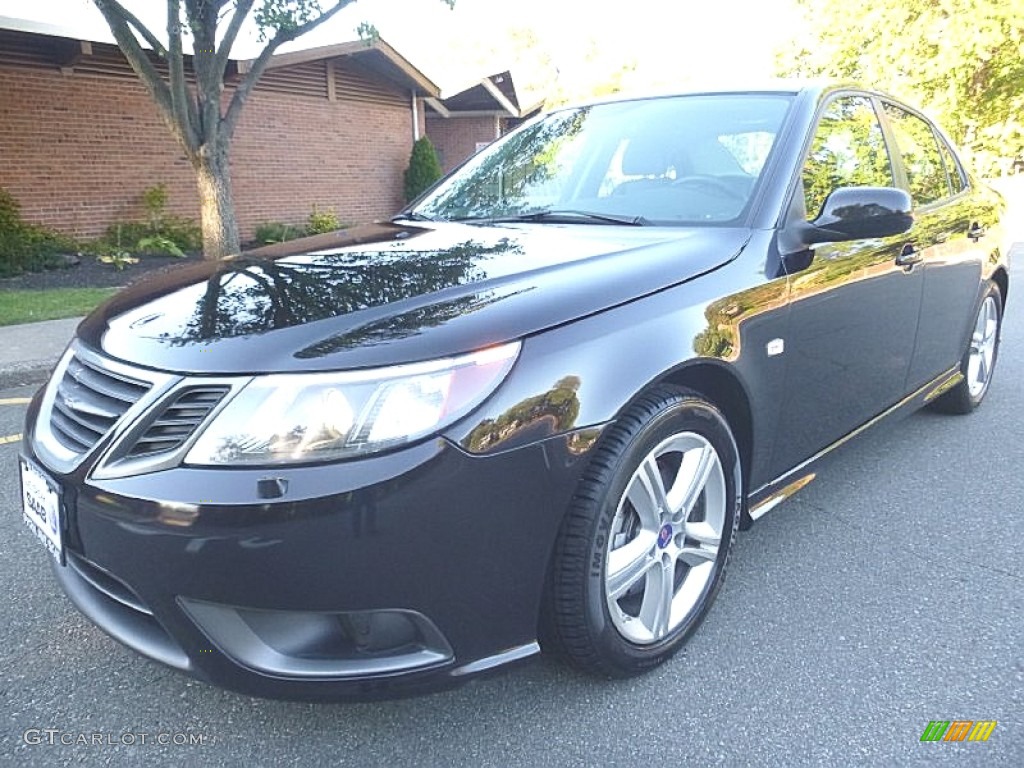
x,y
29,351
33,372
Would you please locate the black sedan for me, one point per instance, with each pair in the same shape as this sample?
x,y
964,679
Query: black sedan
x,y
531,411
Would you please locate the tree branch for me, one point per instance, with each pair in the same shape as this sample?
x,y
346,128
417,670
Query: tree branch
x,y
260,64
118,20
139,27
181,105
203,16
242,8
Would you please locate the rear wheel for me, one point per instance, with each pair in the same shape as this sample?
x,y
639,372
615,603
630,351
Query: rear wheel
x,y
643,549
979,359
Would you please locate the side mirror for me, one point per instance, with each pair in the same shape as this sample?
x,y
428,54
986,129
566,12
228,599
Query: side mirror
x,y
858,213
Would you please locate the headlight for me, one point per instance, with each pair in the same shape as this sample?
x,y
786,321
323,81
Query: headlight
x,y
291,418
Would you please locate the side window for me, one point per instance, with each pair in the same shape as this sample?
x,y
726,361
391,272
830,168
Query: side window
x,y
848,151
921,158
953,170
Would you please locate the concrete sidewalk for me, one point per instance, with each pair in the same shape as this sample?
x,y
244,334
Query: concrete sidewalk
x,y
28,352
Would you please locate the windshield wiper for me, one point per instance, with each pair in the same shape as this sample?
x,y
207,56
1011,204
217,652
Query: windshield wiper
x,y
412,216
563,215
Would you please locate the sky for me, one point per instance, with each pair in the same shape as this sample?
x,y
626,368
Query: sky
x,y
578,46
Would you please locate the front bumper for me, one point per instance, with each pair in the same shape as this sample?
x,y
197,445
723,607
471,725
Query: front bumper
x,y
389,575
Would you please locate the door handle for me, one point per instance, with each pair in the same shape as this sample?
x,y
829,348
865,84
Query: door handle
x,y
909,256
976,232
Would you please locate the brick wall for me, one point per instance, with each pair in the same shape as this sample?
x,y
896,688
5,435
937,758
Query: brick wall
x,y
291,152
77,151
455,138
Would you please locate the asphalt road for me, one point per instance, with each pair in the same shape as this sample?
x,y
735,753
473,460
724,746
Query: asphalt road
x,y
887,594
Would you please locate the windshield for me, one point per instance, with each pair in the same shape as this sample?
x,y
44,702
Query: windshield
x,y
673,160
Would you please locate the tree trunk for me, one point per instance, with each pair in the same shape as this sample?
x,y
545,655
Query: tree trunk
x,y
217,212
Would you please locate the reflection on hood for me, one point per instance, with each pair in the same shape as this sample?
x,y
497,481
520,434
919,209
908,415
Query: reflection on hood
x,y
248,296
388,294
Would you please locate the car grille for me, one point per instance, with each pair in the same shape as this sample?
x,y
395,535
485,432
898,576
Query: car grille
x,y
176,422
89,401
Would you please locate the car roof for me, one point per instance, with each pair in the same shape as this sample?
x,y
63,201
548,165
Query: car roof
x,y
810,88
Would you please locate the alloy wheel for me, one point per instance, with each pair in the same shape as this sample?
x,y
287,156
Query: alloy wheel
x,y
983,347
665,537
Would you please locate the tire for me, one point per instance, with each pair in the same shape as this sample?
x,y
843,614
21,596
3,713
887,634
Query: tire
x,y
979,360
610,610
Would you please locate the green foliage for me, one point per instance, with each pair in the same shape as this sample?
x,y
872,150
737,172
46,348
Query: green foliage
x,y
159,244
319,222
154,200
122,235
118,259
276,232
322,221
27,247
10,211
959,59
159,233
424,169
284,15
185,233
367,32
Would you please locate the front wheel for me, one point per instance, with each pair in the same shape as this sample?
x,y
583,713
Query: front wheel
x,y
979,359
643,548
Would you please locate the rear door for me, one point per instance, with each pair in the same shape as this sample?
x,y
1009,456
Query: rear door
x,y
949,236
854,310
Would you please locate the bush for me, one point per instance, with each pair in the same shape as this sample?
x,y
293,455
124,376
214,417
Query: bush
x,y
159,244
124,235
139,236
322,221
319,222
185,233
276,232
27,247
10,212
424,169
154,200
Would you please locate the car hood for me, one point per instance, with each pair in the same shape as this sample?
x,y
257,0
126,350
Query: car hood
x,y
392,293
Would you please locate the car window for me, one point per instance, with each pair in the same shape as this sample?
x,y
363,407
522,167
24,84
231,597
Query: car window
x,y
848,150
953,169
921,158
676,160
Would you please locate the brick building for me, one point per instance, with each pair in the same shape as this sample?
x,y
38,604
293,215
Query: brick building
x,y
81,140
461,125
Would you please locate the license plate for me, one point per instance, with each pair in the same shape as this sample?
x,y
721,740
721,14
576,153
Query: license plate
x,y
40,504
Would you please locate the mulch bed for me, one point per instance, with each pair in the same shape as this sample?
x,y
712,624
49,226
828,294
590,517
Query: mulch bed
x,y
90,273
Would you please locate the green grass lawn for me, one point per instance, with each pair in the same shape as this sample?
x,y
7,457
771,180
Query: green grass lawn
x,y
32,306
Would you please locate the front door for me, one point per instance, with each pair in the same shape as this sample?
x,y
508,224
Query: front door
x,y
854,309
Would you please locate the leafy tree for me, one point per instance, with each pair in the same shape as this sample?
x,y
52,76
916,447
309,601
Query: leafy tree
x,y
200,117
424,169
961,59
